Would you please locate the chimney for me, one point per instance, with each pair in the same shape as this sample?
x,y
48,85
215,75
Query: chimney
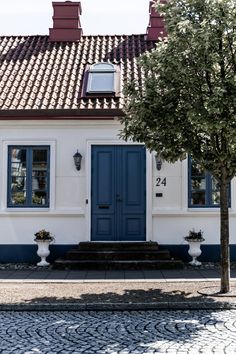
x,y
156,24
66,22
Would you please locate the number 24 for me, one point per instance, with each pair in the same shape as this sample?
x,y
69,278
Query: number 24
x,y
161,181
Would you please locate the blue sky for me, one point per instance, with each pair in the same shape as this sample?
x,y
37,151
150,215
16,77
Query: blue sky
x,y
24,17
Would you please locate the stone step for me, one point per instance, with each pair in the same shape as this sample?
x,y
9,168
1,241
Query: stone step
x,y
77,254
117,246
117,265
117,255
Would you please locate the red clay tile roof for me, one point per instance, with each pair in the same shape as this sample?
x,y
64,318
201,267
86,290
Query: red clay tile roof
x,y
38,76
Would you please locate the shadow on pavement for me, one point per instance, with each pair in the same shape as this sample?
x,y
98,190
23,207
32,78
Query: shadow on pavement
x,y
170,297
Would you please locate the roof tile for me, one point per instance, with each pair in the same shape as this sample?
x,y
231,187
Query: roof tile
x,y
36,74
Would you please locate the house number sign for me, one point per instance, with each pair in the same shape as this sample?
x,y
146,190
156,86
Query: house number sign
x,y
160,182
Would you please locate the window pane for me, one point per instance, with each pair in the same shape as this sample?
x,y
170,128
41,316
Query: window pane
x,y
216,198
40,155
39,197
203,188
39,181
39,188
18,198
198,198
18,162
18,184
103,66
18,177
197,170
198,183
101,82
215,184
39,177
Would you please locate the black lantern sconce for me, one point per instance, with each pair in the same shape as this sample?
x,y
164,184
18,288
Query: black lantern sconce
x,y
158,161
77,160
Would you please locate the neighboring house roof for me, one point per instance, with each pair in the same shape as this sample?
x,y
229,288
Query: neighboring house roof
x,y
39,77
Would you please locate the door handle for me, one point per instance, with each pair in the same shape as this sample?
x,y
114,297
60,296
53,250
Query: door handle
x,y
103,206
119,199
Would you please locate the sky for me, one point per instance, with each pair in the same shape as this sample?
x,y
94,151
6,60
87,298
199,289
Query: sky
x,y
31,17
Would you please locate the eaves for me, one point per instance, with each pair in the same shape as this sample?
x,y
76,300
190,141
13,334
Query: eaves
x,y
60,114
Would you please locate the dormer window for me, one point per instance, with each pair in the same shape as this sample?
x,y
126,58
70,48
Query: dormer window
x,y
101,79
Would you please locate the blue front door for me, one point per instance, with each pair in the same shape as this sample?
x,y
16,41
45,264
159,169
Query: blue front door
x,y
118,193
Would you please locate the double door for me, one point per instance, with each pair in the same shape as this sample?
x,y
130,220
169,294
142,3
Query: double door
x,y
118,193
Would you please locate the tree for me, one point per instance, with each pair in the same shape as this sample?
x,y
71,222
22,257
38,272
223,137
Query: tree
x,y
186,103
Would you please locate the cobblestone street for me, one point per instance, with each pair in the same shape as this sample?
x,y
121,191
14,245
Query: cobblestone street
x,y
118,332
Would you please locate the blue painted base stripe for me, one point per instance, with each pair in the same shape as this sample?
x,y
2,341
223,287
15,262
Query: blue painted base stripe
x,y
210,253
27,253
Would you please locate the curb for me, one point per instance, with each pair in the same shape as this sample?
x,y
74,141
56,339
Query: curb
x,y
84,281
140,306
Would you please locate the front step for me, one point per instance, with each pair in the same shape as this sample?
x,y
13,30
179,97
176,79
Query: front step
x,y
117,256
117,246
112,255
117,265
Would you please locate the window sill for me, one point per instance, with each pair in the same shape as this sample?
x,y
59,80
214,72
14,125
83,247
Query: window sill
x,y
42,212
33,210
205,212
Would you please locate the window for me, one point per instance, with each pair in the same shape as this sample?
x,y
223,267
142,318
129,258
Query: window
x,y
203,188
101,78
28,176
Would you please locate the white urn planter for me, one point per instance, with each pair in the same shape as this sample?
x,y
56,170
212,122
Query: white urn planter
x,y
195,250
194,239
43,239
43,252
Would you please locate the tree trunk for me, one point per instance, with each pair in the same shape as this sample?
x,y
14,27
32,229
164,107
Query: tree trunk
x,y
224,235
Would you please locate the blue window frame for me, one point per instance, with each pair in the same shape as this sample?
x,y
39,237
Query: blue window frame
x,y
203,189
28,176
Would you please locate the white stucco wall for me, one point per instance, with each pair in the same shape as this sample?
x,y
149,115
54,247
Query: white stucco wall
x,y
68,218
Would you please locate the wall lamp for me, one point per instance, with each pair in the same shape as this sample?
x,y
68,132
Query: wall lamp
x,y
158,161
77,160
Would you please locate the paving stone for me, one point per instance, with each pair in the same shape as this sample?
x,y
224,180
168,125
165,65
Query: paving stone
x,y
76,274
134,274
115,274
96,275
135,332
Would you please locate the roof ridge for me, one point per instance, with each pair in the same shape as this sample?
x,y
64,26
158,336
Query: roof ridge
x,y
87,35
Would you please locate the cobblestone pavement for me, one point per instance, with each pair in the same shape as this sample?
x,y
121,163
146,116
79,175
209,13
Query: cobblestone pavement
x,y
134,332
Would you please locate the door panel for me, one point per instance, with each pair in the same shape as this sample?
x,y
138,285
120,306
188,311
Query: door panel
x,y
104,182
133,181
103,189
118,193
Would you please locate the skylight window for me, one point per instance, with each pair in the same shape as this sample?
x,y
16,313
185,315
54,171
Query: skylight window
x,y
101,78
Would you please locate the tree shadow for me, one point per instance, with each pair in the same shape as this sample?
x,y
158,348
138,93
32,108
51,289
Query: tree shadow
x,y
173,295
134,331
143,330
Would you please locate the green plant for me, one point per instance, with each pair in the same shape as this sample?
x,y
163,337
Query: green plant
x,y
194,236
36,199
43,235
18,198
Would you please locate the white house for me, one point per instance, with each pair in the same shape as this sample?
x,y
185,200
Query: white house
x,y
60,93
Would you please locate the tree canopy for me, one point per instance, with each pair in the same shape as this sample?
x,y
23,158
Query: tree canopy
x,y
187,102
